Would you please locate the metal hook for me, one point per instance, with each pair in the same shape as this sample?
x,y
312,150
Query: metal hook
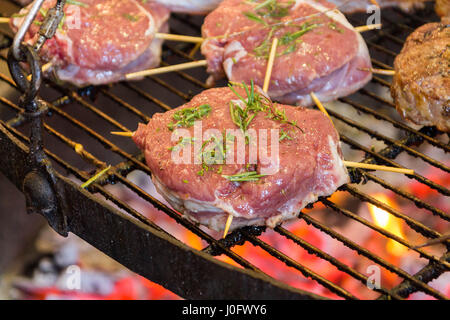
x,y
39,185
20,35
29,88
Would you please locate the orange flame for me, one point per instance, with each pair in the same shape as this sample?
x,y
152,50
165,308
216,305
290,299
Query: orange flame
x,y
389,222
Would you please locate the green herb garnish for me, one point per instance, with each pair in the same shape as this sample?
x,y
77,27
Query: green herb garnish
x,y
334,27
77,3
289,39
187,116
182,142
284,135
254,17
242,117
254,104
131,17
292,36
273,9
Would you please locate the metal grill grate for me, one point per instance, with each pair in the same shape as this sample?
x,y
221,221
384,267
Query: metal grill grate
x,y
84,117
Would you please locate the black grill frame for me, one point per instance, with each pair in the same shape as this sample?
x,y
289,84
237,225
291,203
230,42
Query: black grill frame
x,y
147,249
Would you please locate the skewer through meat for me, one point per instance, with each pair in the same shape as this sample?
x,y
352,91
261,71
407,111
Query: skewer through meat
x,y
319,50
421,85
227,166
100,41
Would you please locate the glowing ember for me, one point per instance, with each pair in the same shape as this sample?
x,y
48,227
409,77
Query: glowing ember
x,y
387,221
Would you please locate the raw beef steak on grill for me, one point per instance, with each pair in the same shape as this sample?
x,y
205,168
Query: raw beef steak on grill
x,y
257,181
100,41
318,49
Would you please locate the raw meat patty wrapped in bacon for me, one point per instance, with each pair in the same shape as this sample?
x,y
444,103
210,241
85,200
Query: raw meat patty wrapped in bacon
x,y
318,50
100,41
300,161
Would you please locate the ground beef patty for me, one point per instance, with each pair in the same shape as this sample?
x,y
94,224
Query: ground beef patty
x,y
421,85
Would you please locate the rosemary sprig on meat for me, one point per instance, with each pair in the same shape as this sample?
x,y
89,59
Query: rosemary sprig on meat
x,y
208,154
187,116
270,9
255,17
276,10
289,39
77,3
182,142
245,176
284,135
131,17
254,104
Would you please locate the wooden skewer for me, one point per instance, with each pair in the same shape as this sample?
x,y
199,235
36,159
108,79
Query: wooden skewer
x,y
439,240
358,164
94,178
194,50
179,37
4,20
368,27
385,72
123,134
227,225
177,67
199,40
45,67
320,105
351,164
273,51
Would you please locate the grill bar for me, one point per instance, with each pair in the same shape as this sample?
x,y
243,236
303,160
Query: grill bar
x,y
382,231
419,203
362,251
427,274
396,124
304,270
339,265
393,142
